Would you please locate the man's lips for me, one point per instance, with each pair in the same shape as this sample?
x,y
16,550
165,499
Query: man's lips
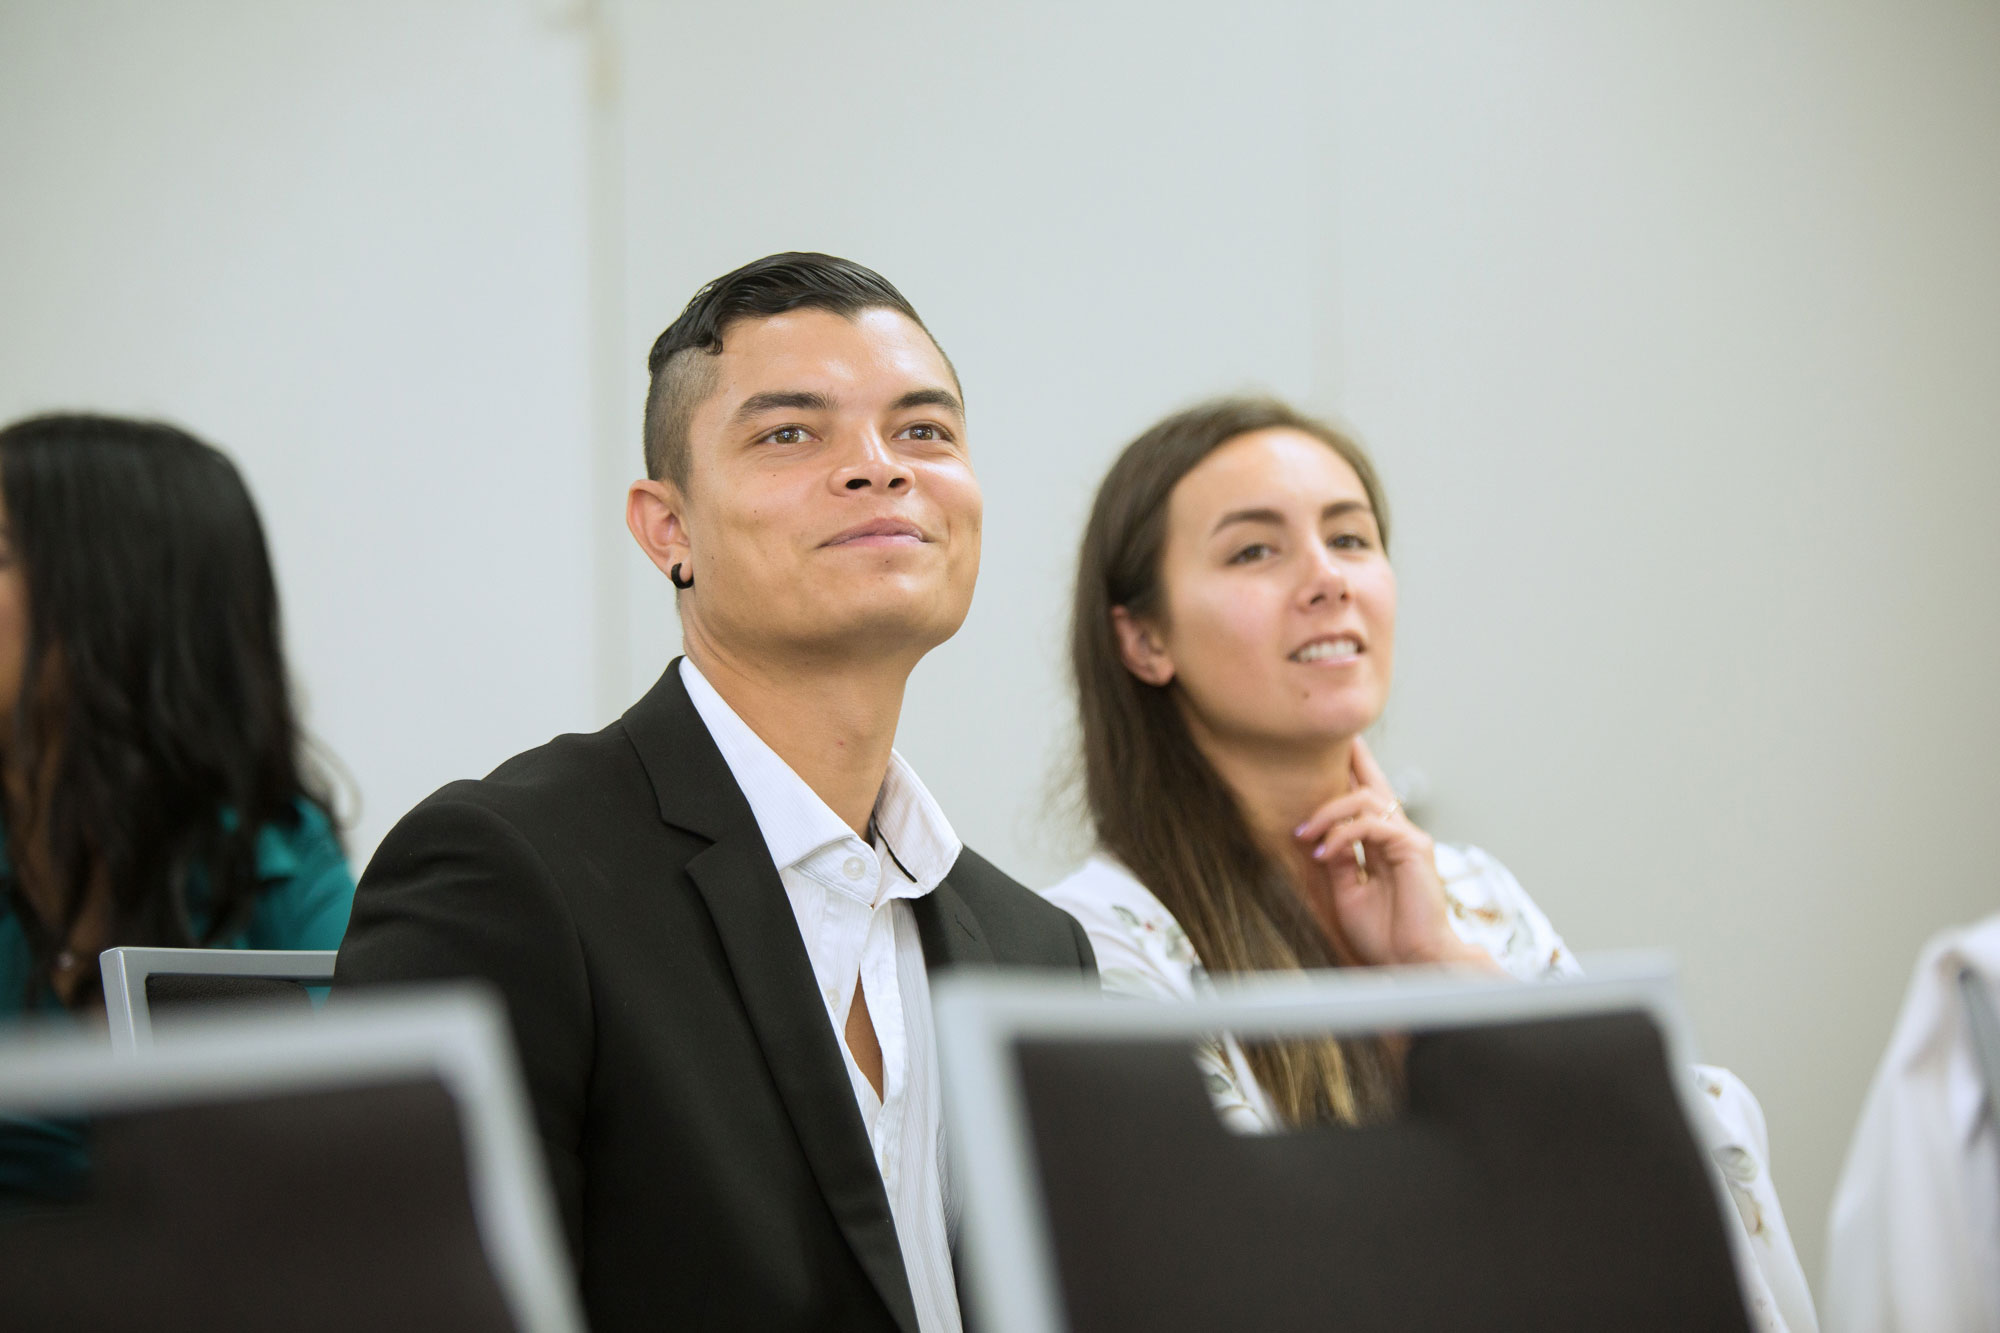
x,y
878,532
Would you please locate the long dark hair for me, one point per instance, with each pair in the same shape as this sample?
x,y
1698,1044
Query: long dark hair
x,y
1159,806
154,735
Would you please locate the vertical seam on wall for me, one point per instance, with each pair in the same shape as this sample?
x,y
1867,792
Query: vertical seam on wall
x,y
612,640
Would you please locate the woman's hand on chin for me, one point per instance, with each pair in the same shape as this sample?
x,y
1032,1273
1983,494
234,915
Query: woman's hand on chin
x,y
1372,879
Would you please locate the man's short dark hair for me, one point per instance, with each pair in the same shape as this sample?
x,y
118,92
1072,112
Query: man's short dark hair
x,y
682,374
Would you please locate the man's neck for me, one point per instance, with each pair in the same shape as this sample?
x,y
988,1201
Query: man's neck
x,y
834,723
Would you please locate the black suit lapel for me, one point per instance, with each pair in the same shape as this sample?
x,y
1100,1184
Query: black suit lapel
x,y
773,975
950,933
952,937
775,979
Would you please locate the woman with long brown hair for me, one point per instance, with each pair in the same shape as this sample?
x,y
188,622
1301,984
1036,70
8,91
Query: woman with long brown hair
x,y
1233,637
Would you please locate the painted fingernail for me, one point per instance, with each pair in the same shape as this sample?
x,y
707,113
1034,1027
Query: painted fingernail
x,y
1300,831
1319,852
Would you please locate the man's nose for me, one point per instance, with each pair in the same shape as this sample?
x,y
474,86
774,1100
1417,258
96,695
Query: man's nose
x,y
872,465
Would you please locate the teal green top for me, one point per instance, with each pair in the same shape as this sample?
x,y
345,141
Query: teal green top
x,y
308,891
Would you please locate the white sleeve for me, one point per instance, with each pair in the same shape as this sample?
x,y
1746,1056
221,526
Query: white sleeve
x,y
1730,1126
1489,908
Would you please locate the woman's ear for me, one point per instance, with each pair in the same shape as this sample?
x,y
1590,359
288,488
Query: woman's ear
x,y
1142,648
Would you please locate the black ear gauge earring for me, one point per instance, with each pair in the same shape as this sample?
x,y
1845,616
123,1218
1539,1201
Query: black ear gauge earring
x,y
674,577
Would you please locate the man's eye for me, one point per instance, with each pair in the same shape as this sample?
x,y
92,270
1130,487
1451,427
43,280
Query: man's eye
x,y
1254,551
787,435
925,430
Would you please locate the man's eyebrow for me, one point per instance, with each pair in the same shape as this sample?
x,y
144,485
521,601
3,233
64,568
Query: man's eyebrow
x,y
782,400
932,397
1334,510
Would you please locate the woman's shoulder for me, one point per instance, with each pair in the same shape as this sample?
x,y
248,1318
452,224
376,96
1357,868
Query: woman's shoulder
x,y
308,838
1097,886
1141,949
309,888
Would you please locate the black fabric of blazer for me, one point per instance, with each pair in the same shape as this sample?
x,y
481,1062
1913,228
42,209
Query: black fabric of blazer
x,y
702,1136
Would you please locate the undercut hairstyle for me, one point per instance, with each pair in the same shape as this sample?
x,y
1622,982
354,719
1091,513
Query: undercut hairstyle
x,y
155,735
682,362
1157,803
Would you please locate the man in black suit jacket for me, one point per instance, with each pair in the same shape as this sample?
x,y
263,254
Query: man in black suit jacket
x,y
704,1096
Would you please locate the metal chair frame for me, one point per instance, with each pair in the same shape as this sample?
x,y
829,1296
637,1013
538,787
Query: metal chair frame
x,y
456,1033
125,971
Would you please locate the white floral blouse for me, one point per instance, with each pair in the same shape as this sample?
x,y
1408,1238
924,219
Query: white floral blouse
x,y
1143,952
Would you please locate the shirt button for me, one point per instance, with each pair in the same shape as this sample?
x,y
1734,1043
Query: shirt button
x,y
852,867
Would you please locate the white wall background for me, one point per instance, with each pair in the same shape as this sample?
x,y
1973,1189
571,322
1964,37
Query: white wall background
x,y
346,243
1673,327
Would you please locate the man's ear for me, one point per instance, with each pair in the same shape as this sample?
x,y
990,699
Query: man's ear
x,y
656,512
1142,648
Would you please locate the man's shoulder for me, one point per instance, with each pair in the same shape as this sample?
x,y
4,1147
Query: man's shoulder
x,y
1019,923
984,884
557,765
575,821
570,779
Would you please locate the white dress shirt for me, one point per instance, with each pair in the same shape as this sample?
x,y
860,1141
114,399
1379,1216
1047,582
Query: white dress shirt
x,y
1913,1244
852,902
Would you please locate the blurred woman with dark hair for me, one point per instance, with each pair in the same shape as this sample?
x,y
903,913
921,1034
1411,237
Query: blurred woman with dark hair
x,y
1233,636
153,783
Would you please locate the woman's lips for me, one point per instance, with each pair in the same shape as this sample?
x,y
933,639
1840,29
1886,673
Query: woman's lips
x,y
1335,650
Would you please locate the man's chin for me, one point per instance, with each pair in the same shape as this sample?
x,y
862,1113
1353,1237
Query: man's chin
x,y
886,623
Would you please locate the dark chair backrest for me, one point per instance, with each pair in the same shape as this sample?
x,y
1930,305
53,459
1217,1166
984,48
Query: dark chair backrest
x,y
348,1208
1542,1177
170,993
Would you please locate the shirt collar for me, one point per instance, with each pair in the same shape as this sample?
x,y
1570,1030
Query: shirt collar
x,y
793,819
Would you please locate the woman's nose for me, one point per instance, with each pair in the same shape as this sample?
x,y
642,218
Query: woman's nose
x,y
1326,579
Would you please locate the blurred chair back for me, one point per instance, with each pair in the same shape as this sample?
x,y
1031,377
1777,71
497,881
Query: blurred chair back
x,y
137,982
1542,1175
370,1168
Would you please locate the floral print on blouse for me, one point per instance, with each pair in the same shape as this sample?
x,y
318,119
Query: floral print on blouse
x,y
1143,953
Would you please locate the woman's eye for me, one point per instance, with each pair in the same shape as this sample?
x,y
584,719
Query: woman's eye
x,y
1349,541
1254,551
